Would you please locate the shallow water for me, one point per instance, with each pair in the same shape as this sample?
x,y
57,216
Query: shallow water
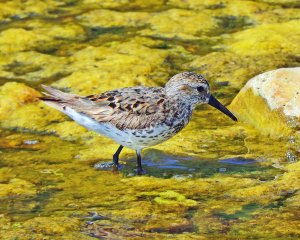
x,y
215,180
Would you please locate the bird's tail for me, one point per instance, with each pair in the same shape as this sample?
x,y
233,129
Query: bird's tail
x,y
57,99
60,100
54,95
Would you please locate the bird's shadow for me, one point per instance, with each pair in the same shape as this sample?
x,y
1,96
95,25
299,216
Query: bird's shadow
x,y
165,165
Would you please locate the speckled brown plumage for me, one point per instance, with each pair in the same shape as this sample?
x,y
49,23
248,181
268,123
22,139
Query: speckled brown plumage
x,y
138,117
130,108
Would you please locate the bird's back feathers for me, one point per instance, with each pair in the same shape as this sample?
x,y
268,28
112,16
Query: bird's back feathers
x,y
126,108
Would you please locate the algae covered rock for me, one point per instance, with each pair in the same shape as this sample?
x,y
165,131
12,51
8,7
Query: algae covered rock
x,y
102,18
98,69
271,102
14,95
55,226
21,109
178,23
279,38
126,4
174,198
25,40
32,67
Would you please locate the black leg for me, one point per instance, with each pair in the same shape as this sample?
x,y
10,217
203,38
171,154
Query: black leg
x,y
139,162
116,156
114,164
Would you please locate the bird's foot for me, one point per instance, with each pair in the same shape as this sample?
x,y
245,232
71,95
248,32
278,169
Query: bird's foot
x,y
140,171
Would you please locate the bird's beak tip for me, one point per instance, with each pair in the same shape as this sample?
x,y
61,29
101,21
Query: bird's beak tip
x,y
216,104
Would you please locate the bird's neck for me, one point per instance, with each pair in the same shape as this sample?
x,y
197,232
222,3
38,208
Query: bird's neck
x,y
179,112
185,102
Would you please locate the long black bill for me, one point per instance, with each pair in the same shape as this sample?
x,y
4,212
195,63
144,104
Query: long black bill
x,y
215,103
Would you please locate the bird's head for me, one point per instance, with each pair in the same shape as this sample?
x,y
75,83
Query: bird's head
x,y
194,89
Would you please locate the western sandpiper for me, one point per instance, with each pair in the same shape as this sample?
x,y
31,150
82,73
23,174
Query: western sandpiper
x,y
138,117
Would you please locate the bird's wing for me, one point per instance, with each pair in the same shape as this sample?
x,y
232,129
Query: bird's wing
x,y
126,108
129,108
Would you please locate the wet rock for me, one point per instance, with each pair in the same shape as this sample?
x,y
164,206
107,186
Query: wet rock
x,y
270,100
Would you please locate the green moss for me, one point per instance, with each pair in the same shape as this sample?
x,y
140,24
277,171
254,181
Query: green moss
x,y
56,225
125,5
268,122
11,10
266,39
232,69
175,199
108,19
13,96
32,67
27,40
180,24
278,225
16,188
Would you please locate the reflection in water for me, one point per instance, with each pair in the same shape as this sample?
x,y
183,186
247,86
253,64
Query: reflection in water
x,y
161,164
238,160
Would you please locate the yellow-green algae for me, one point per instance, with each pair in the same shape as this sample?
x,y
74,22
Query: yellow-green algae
x,y
48,184
178,23
268,38
269,122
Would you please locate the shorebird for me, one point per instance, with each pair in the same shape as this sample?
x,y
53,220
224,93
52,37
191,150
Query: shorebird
x,y
138,117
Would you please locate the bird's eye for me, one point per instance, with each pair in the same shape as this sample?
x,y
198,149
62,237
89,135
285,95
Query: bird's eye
x,y
200,89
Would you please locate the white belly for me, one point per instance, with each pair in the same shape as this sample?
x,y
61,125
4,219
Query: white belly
x,y
134,139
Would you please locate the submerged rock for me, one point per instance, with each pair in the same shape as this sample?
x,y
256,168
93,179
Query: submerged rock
x,y
271,102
